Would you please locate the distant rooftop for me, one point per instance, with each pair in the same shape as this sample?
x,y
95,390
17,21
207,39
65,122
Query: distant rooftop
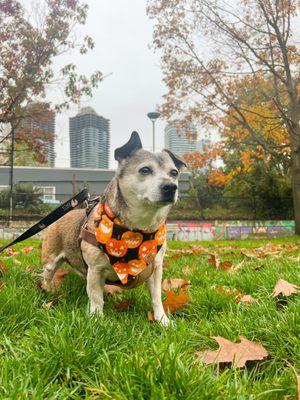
x,y
87,110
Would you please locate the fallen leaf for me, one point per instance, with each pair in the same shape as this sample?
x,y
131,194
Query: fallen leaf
x,y
124,305
48,305
214,260
150,316
246,298
3,267
11,252
58,277
285,288
175,256
174,301
236,353
27,249
30,267
228,292
248,254
175,283
1,284
112,289
225,265
237,267
17,262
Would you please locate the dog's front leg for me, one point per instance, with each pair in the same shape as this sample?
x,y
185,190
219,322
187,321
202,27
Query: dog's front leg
x,y
95,288
95,277
154,285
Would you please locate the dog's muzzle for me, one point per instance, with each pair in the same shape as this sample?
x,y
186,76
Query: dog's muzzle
x,y
168,192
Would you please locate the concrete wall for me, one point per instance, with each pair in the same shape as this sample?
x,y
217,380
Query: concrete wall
x,y
194,230
222,230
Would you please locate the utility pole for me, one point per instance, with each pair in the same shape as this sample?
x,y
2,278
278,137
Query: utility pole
x,y
11,174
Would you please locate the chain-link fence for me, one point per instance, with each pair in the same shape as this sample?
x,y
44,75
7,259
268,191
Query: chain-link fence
x,y
32,206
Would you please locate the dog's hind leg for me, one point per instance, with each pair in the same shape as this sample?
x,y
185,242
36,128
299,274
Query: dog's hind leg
x,y
50,264
154,286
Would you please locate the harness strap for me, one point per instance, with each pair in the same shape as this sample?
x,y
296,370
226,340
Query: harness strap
x,y
51,217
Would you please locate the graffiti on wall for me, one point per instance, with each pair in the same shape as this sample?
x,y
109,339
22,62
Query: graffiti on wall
x,y
221,230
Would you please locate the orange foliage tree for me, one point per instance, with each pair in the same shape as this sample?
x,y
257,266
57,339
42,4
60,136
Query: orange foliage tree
x,y
207,46
240,153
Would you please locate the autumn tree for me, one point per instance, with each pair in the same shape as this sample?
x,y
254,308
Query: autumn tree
x,y
29,44
200,165
209,45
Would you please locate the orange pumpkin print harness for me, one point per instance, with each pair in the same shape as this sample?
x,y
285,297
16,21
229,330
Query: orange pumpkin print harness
x,y
128,251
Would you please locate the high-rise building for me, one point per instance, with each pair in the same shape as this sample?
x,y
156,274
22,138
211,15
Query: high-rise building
x,y
40,124
89,140
181,140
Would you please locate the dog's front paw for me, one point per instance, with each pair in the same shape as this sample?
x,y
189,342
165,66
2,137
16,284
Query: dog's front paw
x,y
95,310
165,321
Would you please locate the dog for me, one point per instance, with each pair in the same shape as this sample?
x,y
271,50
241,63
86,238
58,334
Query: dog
x,y
138,199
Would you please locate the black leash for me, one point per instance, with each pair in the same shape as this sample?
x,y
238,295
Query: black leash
x,y
50,218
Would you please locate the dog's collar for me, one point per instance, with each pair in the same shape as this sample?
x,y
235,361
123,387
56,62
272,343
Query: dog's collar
x,y
129,251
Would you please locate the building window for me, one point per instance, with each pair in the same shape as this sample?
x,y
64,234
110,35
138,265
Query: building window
x,y
47,193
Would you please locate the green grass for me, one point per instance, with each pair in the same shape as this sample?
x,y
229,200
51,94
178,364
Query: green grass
x,y
61,353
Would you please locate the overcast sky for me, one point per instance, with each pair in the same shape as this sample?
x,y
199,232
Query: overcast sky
x,y
122,33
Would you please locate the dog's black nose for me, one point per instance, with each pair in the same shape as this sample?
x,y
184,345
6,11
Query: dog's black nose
x,y
170,188
168,191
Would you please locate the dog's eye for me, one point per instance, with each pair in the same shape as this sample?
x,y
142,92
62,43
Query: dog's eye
x,y
145,171
174,172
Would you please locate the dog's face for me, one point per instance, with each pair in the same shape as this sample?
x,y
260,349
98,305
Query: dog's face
x,y
145,177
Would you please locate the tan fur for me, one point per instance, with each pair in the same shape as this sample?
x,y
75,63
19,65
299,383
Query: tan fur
x,y
138,202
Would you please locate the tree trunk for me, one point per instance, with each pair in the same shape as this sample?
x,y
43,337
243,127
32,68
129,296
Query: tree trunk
x,y
296,188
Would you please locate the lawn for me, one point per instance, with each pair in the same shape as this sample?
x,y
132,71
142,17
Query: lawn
x,y
61,353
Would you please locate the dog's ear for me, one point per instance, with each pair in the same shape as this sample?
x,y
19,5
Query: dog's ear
x,y
177,161
134,144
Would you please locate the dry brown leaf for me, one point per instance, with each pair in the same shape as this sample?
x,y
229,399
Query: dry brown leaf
x,y
175,283
214,260
236,353
248,254
285,288
175,302
11,252
1,284
228,292
3,267
58,277
237,267
48,305
27,249
30,267
226,265
246,298
124,305
17,262
150,316
112,289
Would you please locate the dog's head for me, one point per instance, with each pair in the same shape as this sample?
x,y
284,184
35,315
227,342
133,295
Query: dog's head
x,y
150,178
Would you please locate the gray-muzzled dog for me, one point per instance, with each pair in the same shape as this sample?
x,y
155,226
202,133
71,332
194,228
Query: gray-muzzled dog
x,y
141,195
